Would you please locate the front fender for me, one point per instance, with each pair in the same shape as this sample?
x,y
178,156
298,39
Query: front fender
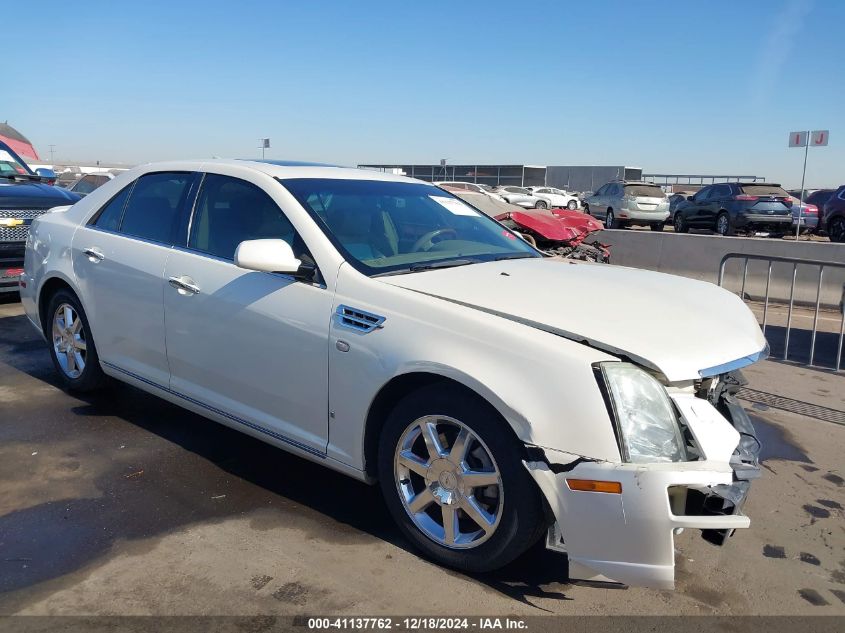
x,y
541,384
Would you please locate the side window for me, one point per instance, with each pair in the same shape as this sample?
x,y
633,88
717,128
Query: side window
x,y
108,218
153,208
702,194
601,191
229,211
722,191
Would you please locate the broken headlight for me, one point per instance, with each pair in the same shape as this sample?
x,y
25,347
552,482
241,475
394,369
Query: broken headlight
x,y
646,420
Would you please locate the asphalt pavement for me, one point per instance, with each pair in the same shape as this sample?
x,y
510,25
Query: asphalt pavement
x,y
121,503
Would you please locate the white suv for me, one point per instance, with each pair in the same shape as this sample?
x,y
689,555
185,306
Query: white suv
x,y
629,202
551,197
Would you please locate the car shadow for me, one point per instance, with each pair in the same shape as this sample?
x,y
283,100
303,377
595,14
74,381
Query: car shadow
x,y
180,469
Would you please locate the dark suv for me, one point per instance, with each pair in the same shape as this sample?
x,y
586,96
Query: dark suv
x,y
729,207
833,216
24,195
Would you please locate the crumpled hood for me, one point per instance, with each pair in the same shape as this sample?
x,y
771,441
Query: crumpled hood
x,y
679,326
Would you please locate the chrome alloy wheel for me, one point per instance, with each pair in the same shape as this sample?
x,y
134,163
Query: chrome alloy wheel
x,y
69,341
448,482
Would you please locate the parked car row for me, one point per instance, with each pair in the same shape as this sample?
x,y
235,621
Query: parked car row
x,y
760,208
537,197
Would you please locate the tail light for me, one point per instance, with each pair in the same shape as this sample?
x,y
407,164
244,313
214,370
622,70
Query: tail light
x,y
745,196
811,209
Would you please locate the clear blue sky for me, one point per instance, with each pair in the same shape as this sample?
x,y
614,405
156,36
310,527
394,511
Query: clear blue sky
x,y
705,87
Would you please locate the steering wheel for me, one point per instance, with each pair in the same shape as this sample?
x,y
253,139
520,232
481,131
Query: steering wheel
x,y
427,240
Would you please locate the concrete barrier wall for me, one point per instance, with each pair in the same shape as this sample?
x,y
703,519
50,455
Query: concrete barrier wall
x,y
698,257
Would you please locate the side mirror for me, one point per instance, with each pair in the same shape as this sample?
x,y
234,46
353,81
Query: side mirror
x,y
690,198
270,256
47,174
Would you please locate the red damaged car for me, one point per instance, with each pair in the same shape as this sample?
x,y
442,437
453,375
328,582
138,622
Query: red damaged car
x,y
557,231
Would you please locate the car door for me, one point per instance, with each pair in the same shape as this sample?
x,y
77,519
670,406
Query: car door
x,y
119,260
612,198
598,204
252,346
711,206
693,212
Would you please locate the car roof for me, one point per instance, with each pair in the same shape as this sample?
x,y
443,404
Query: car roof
x,y
282,169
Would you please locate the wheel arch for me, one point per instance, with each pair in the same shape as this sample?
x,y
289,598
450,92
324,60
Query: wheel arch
x,y
48,288
397,388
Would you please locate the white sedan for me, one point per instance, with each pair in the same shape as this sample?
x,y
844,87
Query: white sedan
x,y
551,197
382,327
470,186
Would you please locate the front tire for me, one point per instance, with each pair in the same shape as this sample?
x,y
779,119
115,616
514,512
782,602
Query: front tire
x,y
541,204
836,230
71,344
610,221
723,224
572,205
680,224
452,477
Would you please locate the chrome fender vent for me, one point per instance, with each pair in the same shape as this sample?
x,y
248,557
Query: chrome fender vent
x,y
359,320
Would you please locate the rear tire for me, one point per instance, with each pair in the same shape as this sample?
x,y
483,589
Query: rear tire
x,y
71,344
440,482
657,226
723,224
836,229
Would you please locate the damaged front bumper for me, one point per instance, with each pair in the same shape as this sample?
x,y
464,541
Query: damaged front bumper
x,y
626,535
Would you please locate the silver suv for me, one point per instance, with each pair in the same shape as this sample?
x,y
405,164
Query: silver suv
x,y
629,202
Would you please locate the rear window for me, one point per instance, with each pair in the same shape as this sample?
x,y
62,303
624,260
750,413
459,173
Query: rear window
x,y
644,191
764,190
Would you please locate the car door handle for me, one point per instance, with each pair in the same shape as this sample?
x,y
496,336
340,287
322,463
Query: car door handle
x,y
184,285
93,254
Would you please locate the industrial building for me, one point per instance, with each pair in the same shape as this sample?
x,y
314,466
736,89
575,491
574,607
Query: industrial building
x,y
569,177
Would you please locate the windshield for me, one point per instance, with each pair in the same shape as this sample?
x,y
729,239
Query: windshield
x,y
10,165
390,227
